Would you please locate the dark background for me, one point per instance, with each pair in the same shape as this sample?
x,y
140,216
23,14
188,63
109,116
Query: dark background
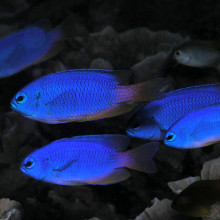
x,y
200,20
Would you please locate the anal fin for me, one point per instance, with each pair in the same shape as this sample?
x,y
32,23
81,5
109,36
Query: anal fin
x,y
72,183
115,110
117,175
65,166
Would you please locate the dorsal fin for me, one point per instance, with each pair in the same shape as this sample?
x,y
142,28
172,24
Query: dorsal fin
x,y
42,24
119,76
117,141
208,88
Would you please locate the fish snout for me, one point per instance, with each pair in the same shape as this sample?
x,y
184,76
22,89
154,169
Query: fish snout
x,y
13,106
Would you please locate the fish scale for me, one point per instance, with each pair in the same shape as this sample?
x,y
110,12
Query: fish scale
x,y
198,128
162,114
90,159
180,108
82,95
89,166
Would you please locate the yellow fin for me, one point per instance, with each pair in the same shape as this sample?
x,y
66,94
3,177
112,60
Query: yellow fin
x,y
145,91
117,175
115,110
72,183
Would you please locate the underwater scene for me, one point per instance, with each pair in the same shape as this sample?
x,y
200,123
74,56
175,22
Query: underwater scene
x,y
109,110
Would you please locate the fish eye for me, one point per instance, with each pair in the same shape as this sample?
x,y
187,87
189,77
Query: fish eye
x,y
21,98
177,53
136,127
29,163
170,137
173,204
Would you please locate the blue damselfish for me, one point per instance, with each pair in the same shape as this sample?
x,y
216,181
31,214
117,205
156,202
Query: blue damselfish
x,y
91,159
82,95
32,45
159,115
197,129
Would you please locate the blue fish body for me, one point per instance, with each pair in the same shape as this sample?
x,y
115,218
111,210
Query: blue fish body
x,y
92,159
199,128
159,115
80,95
30,46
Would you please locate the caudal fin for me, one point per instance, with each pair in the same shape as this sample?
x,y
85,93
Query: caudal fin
x,y
145,91
70,28
140,158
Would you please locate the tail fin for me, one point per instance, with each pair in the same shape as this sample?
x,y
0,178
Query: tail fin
x,y
145,91
70,28
141,158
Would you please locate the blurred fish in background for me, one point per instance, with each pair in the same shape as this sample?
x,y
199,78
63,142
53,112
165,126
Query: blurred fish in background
x,y
32,45
83,95
198,54
197,199
90,159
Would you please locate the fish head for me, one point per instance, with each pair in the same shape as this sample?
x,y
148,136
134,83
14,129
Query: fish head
x,y
190,205
137,127
182,203
26,101
143,128
35,166
179,137
183,56
137,130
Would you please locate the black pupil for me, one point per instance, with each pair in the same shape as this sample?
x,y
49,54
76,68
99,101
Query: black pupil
x,y
136,125
169,137
28,164
177,53
173,204
20,98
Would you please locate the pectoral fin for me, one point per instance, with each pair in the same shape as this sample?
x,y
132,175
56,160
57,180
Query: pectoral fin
x,y
65,166
60,104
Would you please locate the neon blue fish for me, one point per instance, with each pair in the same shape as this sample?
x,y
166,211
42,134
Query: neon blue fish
x,y
159,115
92,159
31,45
82,95
197,129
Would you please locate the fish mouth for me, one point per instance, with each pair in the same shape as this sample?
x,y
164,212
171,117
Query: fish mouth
x,y
13,106
129,132
22,169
